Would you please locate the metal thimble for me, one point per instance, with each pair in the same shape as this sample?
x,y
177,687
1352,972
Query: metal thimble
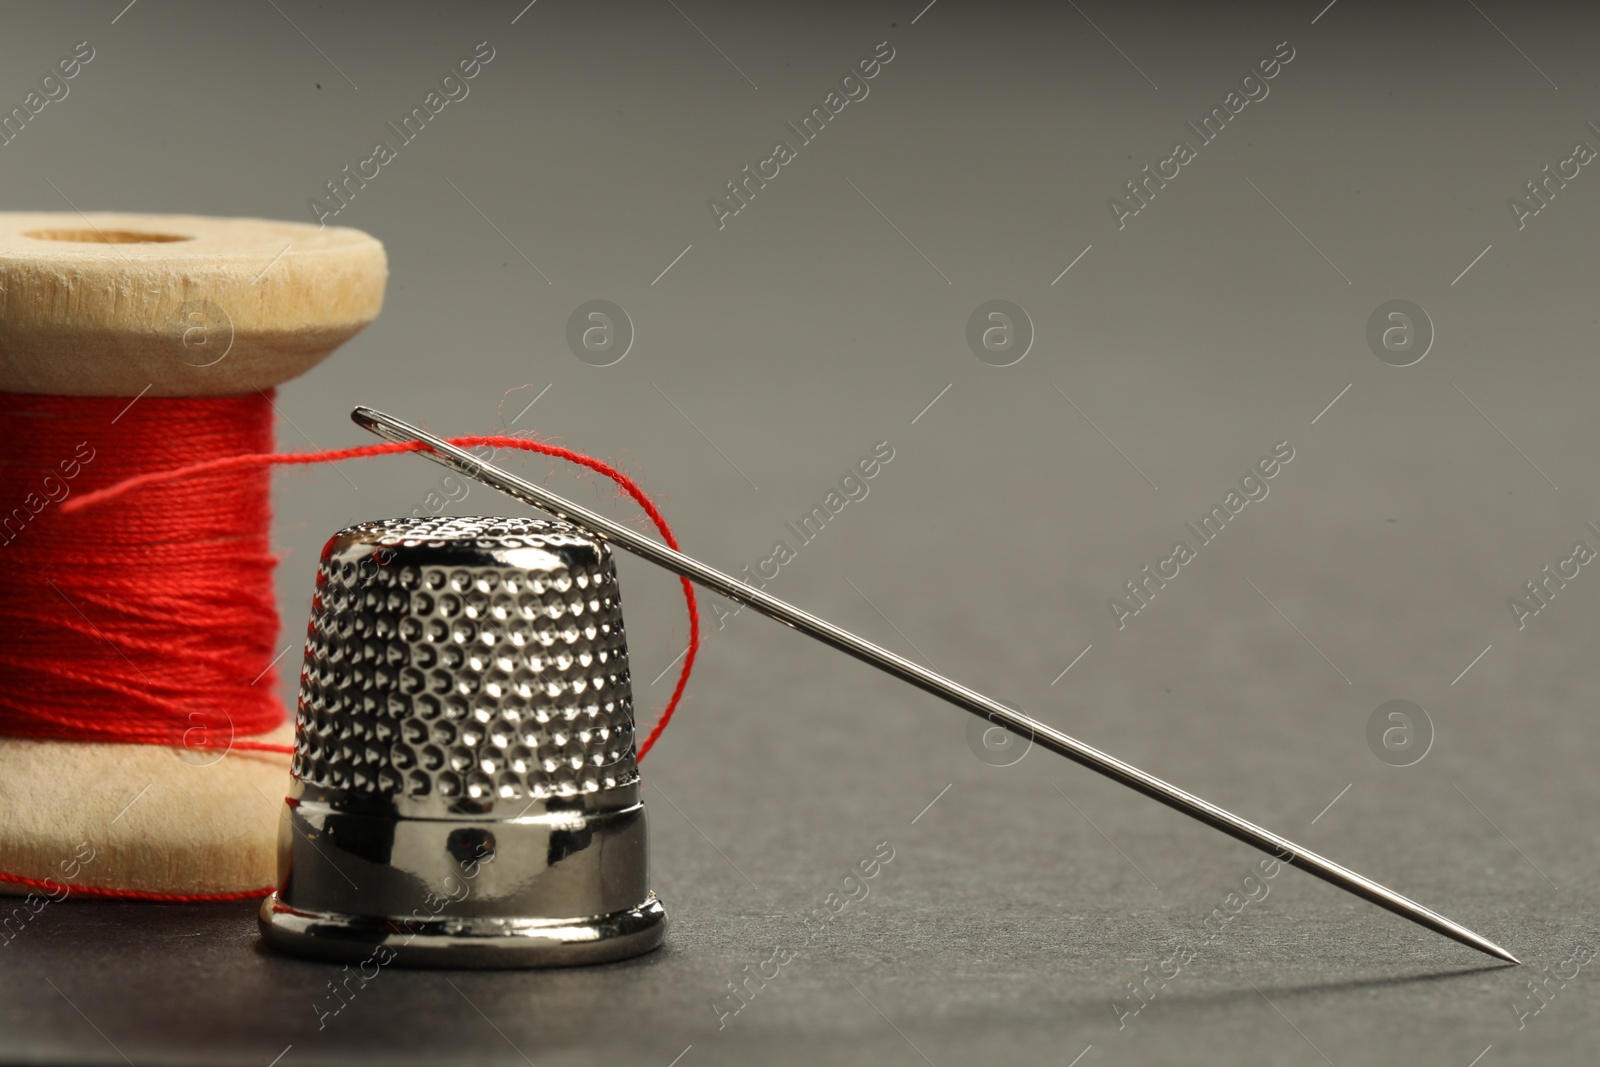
x,y
465,791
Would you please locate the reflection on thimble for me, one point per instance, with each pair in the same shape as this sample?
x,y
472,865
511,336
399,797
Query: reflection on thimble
x,y
465,791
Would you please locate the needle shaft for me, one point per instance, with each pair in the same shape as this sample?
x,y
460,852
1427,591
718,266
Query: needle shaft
x,y
393,429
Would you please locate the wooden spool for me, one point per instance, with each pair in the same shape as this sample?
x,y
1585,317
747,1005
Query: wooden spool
x,y
105,305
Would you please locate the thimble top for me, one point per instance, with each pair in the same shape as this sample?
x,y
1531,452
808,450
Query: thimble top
x,y
451,663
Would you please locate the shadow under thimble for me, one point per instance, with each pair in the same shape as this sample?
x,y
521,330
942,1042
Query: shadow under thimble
x,y
465,791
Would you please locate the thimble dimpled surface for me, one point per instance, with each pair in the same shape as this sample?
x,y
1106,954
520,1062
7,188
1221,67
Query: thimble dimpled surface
x,y
475,660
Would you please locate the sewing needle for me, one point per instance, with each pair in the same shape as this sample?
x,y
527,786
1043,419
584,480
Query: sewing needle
x,y
440,451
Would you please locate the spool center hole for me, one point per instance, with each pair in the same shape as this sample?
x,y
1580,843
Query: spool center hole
x,y
105,237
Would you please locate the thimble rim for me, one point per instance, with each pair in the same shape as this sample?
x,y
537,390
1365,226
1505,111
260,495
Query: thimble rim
x,y
476,943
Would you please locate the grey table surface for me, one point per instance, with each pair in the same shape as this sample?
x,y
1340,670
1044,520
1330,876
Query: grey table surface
x,y
1186,341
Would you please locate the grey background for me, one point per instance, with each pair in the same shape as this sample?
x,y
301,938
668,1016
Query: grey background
x,y
810,327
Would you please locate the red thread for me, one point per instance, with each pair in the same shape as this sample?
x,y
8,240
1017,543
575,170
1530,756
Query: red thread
x,y
255,462
162,607
50,885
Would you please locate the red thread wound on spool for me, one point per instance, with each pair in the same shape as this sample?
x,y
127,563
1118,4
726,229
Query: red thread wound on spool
x,y
162,606
152,620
